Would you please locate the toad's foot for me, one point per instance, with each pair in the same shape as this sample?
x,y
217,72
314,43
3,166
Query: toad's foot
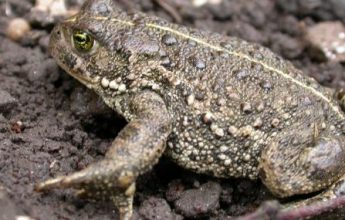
x,y
103,180
135,150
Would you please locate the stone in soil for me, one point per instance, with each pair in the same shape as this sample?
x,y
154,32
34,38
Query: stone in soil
x,y
156,209
197,202
327,40
7,102
287,46
174,191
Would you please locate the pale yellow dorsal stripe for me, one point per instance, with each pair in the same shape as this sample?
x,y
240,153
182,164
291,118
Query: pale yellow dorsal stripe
x,y
237,54
129,23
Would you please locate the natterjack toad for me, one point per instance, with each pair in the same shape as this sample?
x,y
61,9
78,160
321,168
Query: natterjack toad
x,y
216,105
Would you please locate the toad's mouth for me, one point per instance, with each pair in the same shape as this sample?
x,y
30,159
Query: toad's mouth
x,y
84,80
89,82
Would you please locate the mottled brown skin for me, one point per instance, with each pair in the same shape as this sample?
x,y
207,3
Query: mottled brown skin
x,y
214,104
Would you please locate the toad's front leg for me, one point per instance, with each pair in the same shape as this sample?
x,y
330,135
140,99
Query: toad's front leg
x,y
135,150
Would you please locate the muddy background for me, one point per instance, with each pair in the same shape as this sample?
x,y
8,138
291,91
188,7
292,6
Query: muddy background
x,y
51,125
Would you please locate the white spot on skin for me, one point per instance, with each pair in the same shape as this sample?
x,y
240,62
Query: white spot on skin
x,y
122,88
275,122
131,76
216,130
260,107
222,156
286,116
219,132
113,85
195,152
213,127
119,79
227,162
176,82
221,102
105,82
323,125
155,86
95,79
246,157
233,131
234,96
246,131
190,99
207,117
185,121
246,107
223,148
257,123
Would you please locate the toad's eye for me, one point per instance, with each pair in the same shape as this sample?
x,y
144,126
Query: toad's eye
x,y
82,41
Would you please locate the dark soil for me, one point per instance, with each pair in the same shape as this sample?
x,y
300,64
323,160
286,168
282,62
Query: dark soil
x,y
51,125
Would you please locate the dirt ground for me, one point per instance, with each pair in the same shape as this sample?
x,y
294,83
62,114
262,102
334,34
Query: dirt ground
x,y
51,125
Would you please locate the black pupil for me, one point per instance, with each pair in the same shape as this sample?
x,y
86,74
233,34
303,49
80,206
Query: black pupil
x,y
81,39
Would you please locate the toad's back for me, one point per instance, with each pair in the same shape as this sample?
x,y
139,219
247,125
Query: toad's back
x,y
227,97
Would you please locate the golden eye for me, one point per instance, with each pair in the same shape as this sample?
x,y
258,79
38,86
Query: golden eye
x,y
82,41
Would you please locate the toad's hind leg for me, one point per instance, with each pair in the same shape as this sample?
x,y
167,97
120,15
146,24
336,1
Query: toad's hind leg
x,y
302,163
135,150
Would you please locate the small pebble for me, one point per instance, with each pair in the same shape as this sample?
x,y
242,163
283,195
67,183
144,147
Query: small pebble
x,y
156,209
327,40
174,191
196,202
17,29
7,102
